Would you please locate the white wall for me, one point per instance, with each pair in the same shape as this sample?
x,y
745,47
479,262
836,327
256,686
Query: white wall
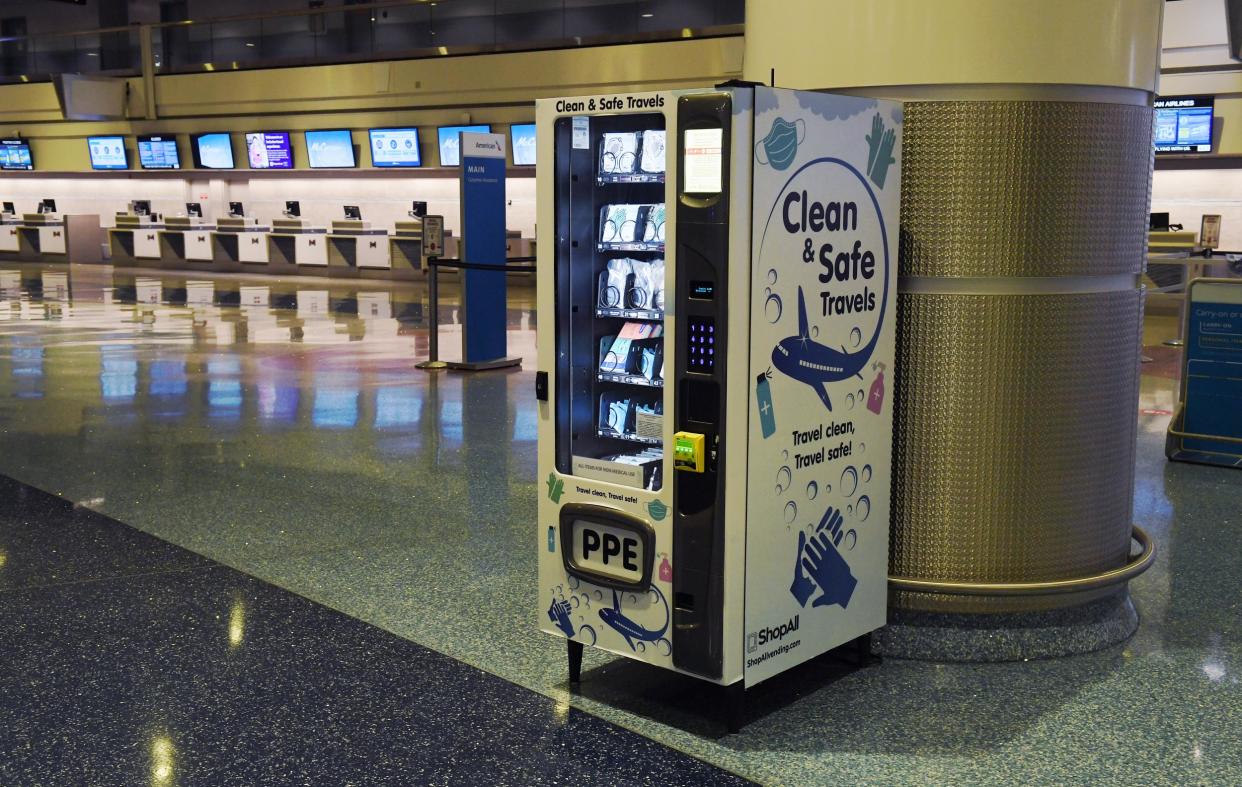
x,y
1187,194
383,200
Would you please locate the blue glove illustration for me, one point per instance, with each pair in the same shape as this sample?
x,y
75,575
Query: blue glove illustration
x,y
873,140
558,613
802,588
879,171
823,565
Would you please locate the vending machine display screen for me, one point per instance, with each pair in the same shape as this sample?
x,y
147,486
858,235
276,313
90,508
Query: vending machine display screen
x,y
702,163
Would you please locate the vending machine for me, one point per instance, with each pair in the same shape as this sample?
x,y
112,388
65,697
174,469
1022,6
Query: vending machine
x,y
715,351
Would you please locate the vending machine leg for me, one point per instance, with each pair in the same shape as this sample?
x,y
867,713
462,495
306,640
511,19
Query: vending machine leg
x,y
735,705
575,662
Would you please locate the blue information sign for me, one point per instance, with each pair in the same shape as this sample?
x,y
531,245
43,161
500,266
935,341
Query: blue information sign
x,y
483,243
1212,388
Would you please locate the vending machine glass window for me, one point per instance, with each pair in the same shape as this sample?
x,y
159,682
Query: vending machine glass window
x,y
610,297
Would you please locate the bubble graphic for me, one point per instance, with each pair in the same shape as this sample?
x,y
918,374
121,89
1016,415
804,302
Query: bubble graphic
x,y
785,455
771,275
864,508
849,401
791,512
849,481
599,595
812,489
866,474
783,478
861,396
850,540
772,308
849,509
814,331
855,337
862,448
827,488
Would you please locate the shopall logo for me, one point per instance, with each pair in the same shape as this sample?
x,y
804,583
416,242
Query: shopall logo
x,y
763,636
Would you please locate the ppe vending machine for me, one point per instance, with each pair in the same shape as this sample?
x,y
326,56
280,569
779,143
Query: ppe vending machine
x,y
716,318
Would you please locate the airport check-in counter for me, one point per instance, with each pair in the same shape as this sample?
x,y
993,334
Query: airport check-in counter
x,y
297,242
135,237
188,238
355,243
50,237
241,239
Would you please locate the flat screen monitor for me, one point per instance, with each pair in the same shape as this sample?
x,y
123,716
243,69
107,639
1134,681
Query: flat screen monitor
x,y
293,207
48,205
418,209
1184,124
522,139
395,147
194,209
269,150
236,209
158,152
141,207
9,207
213,150
450,142
330,149
107,152
15,154
353,212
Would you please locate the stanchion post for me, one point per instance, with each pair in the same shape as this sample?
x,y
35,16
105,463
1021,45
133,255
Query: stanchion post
x,y
433,319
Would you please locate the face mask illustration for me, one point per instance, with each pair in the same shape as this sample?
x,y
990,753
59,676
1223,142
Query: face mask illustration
x,y
780,146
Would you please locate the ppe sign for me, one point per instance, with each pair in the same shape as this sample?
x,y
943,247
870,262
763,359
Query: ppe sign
x,y
608,551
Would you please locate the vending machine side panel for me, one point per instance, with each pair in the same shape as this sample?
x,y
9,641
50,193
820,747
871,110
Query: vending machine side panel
x,y
826,186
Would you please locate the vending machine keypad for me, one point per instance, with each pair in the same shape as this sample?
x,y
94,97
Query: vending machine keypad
x,y
701,344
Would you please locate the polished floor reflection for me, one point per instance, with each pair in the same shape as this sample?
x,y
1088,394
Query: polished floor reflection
x,y
286,433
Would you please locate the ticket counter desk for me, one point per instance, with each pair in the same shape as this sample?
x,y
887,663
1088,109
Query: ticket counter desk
x,y
299,245
51,237
135,237
188,238
242,243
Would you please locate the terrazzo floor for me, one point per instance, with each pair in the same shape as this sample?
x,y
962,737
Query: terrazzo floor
x,y
299,445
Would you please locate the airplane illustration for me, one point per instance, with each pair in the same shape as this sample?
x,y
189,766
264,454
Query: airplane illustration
x,y
815,364
627,628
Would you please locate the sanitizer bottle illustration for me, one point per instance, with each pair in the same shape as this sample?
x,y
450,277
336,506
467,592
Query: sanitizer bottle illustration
x,y
875,400
666,570
767,414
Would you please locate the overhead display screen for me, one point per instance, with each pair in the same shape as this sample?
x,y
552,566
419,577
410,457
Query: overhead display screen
x,y
395,147
1184,124
15,154
523,139
450,142
107,152
212,151
269,150
327,149
158,152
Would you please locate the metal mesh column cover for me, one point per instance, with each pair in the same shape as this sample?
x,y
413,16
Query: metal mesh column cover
x,y
1015,410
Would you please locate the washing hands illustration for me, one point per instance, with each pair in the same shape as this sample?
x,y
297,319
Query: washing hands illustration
x,y
824,567
880,150
558,613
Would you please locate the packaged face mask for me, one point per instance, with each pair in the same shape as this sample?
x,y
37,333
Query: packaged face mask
x,y
653,151
653,224
614,414
617,359
618,153
619,223
606,362
638,296
650,362
612,283
657,285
